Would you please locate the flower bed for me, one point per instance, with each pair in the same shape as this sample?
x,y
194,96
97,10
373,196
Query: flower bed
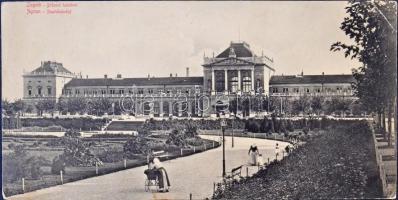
x,y
338,164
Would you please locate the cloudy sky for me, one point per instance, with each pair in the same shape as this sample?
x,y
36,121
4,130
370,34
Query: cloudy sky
x,y
159,38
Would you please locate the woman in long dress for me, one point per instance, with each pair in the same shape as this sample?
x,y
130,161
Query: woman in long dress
x,y
163,178
253,153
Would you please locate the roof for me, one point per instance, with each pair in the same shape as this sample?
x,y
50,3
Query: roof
x,y
241,49
76,82
308,79
52,67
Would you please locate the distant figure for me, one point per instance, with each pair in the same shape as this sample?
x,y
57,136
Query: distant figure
x,y
161,173
253,153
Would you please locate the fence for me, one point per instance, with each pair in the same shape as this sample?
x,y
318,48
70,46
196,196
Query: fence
x,y
220,187
379,160
78,173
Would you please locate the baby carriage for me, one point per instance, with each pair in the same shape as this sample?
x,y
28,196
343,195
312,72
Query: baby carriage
x,y
151,180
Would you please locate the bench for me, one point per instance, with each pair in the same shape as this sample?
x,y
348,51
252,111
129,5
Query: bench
x,y
237,171
156,153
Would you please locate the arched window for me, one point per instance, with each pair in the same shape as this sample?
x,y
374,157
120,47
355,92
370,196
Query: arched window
x,y
247,84
49,90
39,90
234,84
30,90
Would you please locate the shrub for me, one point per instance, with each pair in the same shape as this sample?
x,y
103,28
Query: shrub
x,y
58,164
176,138
135,145
72,133
18,164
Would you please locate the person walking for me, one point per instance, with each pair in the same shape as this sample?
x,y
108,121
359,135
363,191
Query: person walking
x,y
253,153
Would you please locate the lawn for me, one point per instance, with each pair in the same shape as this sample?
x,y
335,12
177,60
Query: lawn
x,y
339,163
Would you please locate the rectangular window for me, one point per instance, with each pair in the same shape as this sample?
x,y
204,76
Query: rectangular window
x,y
30,92
296,90
274,90
49,90
150,91
140,91
121,91
285,90
77,91
103,91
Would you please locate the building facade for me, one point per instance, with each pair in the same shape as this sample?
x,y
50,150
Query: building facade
x,y
45,82
234,74
327,86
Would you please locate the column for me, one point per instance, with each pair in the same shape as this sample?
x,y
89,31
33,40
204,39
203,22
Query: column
x,y
161,108
239,82
170,108
226,80
252,72
213,81
189,111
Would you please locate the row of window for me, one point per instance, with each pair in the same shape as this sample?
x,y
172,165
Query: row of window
x,y
39,91
234,84
126,91
308,90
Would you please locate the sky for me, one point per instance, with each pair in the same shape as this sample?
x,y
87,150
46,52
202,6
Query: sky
x,y
158,38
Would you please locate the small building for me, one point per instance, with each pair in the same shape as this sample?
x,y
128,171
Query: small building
x,y
45,82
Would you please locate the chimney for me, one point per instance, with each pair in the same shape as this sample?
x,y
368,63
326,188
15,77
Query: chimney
x,y
118,76
171,75
105,76
302,73
149,76
86,76
176,74
187,75
323,73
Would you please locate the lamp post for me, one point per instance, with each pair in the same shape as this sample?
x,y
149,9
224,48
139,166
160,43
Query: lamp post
x,y
223,124
233,123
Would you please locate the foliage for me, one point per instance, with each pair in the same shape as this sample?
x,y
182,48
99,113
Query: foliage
x,y
18,164
72,133
77,152
45,105
135,145
58,165
372,26
177,138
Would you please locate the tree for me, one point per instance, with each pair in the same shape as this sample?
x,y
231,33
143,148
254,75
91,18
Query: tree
x,y
76,105
19,106
317,104
45,105
301,104
372,26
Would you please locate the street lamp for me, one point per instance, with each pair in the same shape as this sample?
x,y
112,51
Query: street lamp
x,y
233,123
223,125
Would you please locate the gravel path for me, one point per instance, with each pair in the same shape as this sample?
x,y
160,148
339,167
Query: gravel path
x,y
193,174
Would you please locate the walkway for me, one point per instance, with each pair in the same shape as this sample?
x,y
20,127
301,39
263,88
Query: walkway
x,y
193,174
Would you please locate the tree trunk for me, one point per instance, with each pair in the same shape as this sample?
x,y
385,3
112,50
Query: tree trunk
x,y
383,123
378,120
389,115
